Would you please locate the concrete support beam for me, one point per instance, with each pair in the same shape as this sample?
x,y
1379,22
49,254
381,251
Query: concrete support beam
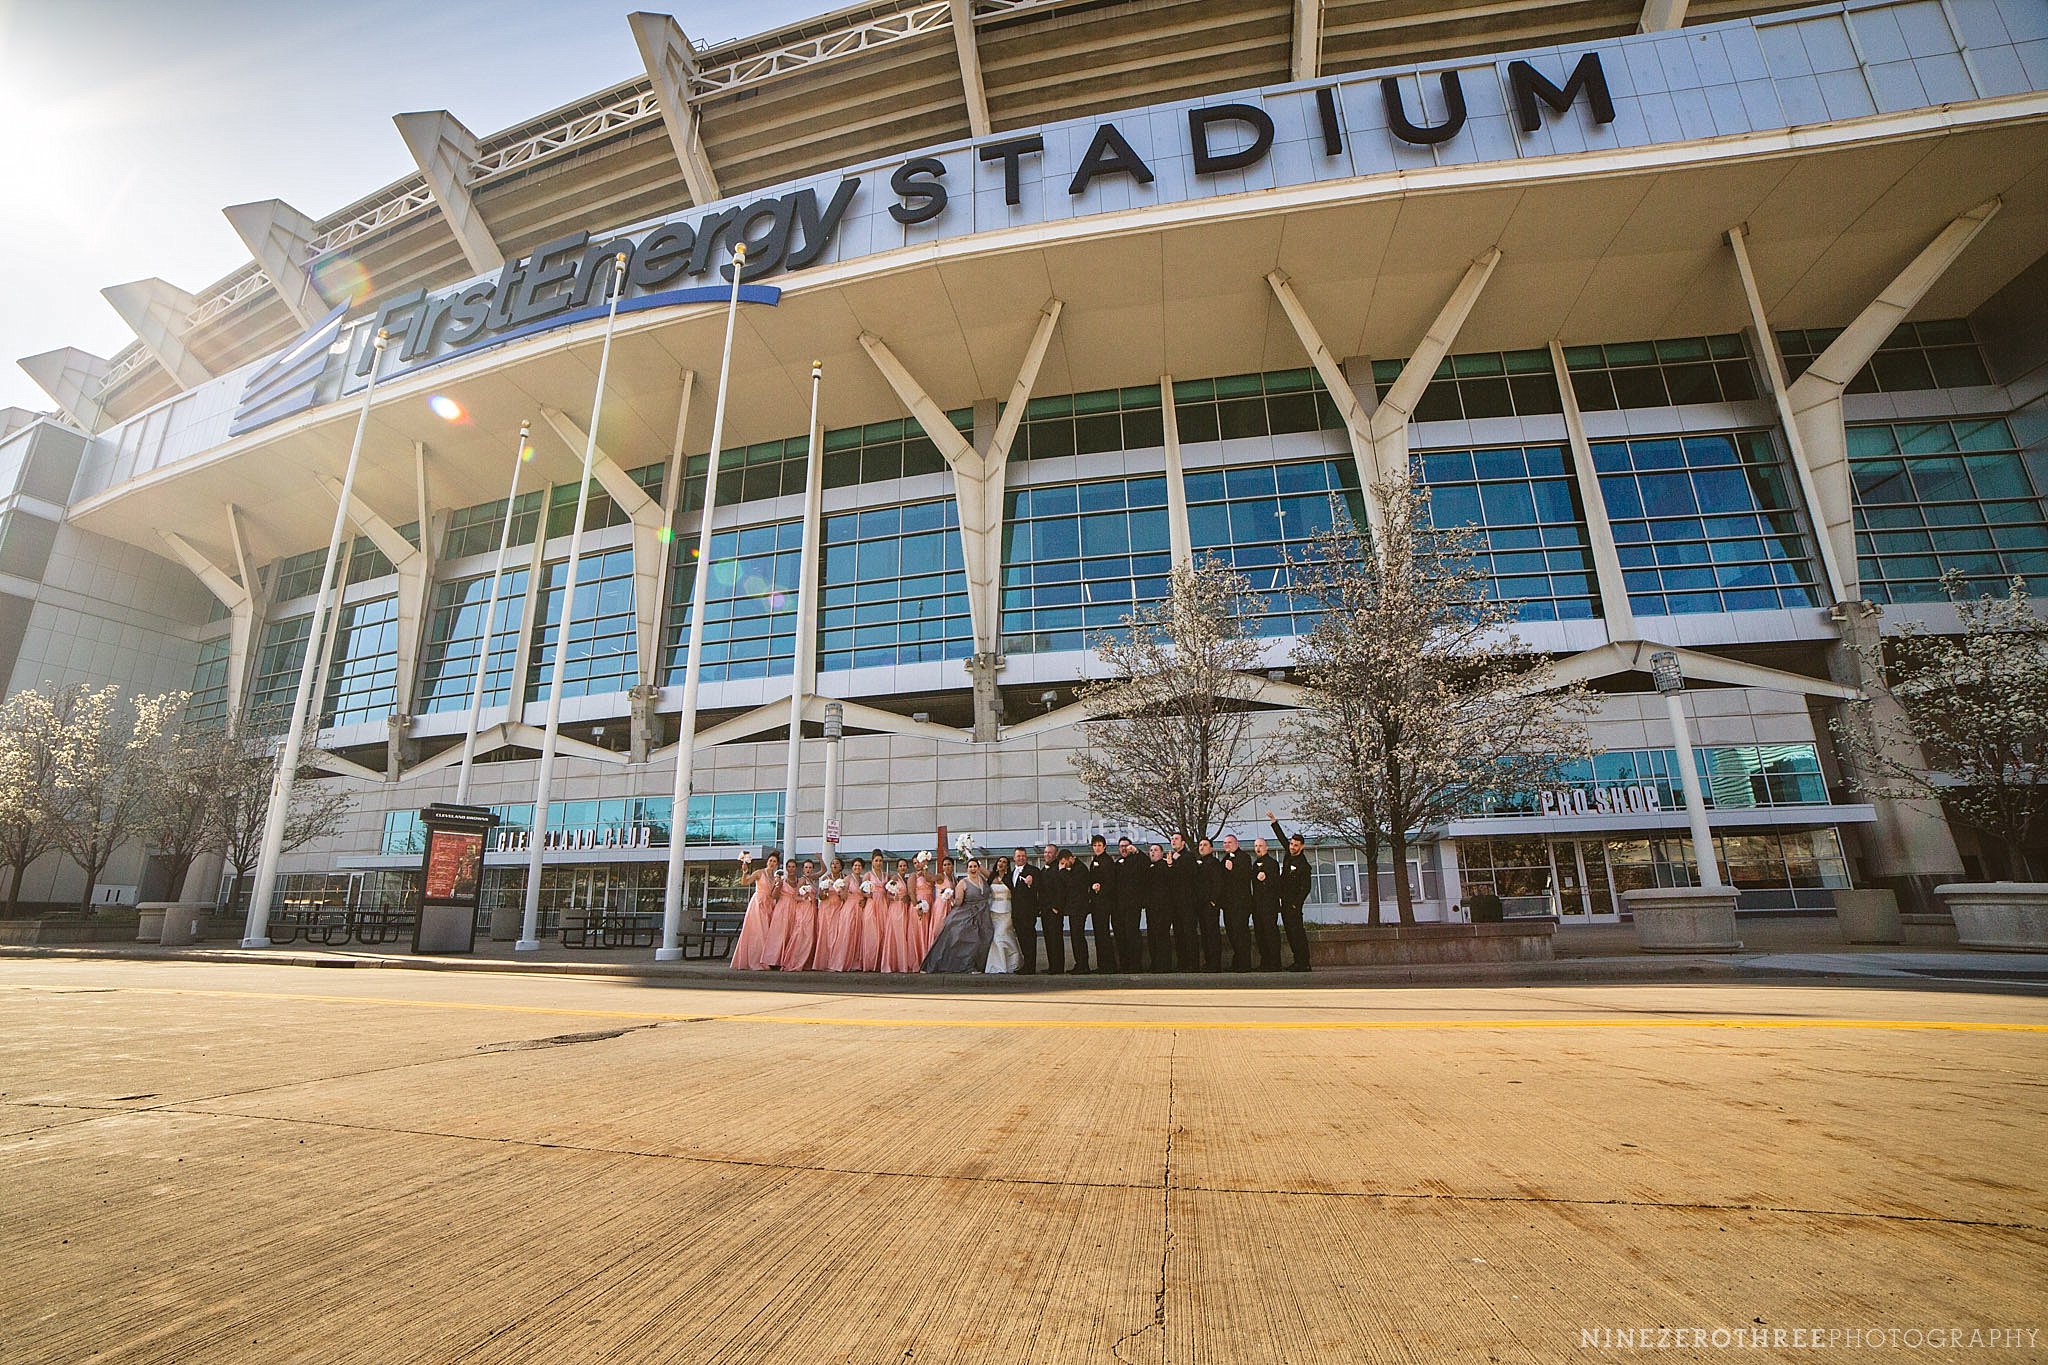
x,y
1179,537
244,604
1357,421
444,151
158,312
279,236
1661,16
1306,61
72,378
649,550
970,67
672,69
1633,656
1614,607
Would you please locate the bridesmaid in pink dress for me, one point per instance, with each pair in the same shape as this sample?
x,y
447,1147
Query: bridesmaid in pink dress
x,y
899,929
837,930
874,909
780,918
923,902
800,935
748,954
942,901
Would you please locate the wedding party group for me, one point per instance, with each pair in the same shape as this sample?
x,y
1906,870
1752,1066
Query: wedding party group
x,y
1167,907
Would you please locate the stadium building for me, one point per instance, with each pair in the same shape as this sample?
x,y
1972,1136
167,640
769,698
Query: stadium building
x,y
1723,321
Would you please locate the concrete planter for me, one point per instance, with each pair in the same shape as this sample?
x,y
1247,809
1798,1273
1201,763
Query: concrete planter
x,y
174,922
1869,916
2007,916
1403,945
1684,919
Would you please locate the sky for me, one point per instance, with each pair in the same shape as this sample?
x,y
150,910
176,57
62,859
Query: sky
x,y
127,125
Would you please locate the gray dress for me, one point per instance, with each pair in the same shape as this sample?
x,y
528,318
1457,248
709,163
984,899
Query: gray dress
x,y
963,941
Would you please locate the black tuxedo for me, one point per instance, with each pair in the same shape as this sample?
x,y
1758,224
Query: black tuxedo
x,y
1183,918
1236,883
1296,877
1071,887
1207,898
1026,904
1159,900
1133,894
1266,910
1099,880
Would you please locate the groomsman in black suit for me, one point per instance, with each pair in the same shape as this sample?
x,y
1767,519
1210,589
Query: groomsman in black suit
x,y
1102,888
1073,886
1181,902
1024,908
1159,898
1208,903
1266,905
1237,903
1296,876
1050,889
1133,888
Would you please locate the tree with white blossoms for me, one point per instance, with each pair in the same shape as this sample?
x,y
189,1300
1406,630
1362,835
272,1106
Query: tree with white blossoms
x,y
1174,748
1976,705
32,726
111,774
238,775
1423,702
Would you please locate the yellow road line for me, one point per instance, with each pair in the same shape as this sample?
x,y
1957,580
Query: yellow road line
x,y
1141,1025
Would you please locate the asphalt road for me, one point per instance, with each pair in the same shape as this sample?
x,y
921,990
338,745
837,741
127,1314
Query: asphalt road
x,y
240,1162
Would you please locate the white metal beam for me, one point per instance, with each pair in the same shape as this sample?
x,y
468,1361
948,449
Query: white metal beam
x,y
281,239
649,551
157,312
1633,656
1661,16
970,67
1616,614
445,152
1307,61
672,70
411,566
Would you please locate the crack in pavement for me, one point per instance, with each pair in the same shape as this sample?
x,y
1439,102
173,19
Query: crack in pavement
x,y
1166,1189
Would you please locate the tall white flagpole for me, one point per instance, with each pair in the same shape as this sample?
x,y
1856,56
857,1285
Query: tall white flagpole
x,y
671,949
483,655
529,937
256,929
801,667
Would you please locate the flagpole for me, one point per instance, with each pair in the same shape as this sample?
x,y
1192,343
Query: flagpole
x,y
671,949
256,929
800,678
529,938
483,657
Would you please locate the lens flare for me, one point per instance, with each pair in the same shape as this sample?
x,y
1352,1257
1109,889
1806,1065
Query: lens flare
x,y
525,453
342,279
448,410
666,534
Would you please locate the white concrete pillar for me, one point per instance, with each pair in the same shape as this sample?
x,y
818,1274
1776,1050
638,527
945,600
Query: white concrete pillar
x,y
671,69
1620,617
444,151
72,378
280,238
159,313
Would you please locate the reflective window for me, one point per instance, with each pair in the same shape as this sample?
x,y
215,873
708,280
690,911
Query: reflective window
x,y
600,511
714,818
601,654
1532,529
1732,777
1252,405
766,469
362,678
1659,374
476,530
1917,355
1090,423
297,576
208,707
1260,519
750,604
1486,384
276,675
1078,558
1938,496
896,449
894,587
455,628
1706,523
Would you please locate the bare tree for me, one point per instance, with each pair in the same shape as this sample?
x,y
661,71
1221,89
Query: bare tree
x,y
110,770
1976,705
181,826
239,780
32,725
1174,749
1425,703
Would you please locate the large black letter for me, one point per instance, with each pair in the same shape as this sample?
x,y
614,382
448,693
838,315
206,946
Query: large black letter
x,y
1211,163
764,254
550,266
1109,152
1333,129
814,228
916,184
1408,131
1530,85
1008,153
664,254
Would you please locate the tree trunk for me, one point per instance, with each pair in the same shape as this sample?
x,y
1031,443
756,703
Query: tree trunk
x,y
93,866
1404,900
14,890
1372,883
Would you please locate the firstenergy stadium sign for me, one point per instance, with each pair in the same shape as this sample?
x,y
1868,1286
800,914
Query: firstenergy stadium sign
x,y
1060,171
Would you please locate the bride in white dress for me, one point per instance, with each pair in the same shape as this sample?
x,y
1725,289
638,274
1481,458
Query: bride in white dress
x,y
1005,953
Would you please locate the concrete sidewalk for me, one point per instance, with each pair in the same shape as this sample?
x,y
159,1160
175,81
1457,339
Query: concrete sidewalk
x,y
1808,947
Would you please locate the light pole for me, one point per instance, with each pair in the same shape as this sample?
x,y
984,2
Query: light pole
x,y
483,655
1664,671
804,662
835,727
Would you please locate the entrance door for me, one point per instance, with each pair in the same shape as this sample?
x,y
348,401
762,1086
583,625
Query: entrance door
x,y
1585,889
